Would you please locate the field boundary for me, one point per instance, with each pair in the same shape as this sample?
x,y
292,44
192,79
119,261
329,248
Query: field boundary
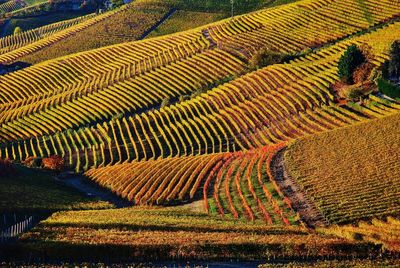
x,y
309,213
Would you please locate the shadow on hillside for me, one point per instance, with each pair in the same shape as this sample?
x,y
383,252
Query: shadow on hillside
x,y
16,66
60,251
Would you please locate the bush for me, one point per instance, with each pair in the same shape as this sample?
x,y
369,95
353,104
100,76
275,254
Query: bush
x,y
165,102
33,162
54,162
352,93
266,57
349,62
363,73
388,88
17,30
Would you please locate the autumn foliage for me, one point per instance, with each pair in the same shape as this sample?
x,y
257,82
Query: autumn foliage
x,y
54,162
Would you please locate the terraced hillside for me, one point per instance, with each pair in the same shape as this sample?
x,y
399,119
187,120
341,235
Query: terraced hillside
x,y
124,24
12,42
256,160
235,113
278,103
236,184
11,5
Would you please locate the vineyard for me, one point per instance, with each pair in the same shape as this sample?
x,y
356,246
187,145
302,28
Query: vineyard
x,y
184,20
225,140
277,103
12,42
235,184
121,25
11,5
362,170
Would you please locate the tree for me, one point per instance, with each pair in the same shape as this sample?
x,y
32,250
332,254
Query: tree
x,y
349,62
17,30
394,63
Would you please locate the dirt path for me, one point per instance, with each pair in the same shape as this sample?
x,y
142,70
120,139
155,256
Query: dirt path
x,y
310,215
206,34
85,186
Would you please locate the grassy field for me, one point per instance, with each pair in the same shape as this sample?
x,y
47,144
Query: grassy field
x,y
184,20
381,232
351,173
36,190
174,233
224,6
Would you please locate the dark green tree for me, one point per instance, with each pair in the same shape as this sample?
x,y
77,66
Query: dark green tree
x,y
394,63
349,62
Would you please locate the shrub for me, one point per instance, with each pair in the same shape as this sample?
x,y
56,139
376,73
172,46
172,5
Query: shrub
x,y
116,116
367,51
54,162
165,102
363,72
352,92
349,62
183,98
388,88
33,162
17,30
264,58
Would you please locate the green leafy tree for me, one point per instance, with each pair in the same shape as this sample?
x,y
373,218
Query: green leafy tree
x,y
349,62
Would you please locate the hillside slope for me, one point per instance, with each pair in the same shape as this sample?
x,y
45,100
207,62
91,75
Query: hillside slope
x,y
351,173
12,42
173,233
72,81
124,24
295,91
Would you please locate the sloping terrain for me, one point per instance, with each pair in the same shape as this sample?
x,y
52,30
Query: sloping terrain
x,y
98,79
12,42
351,173
127,24
170,233
384,232
123,24
251,156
